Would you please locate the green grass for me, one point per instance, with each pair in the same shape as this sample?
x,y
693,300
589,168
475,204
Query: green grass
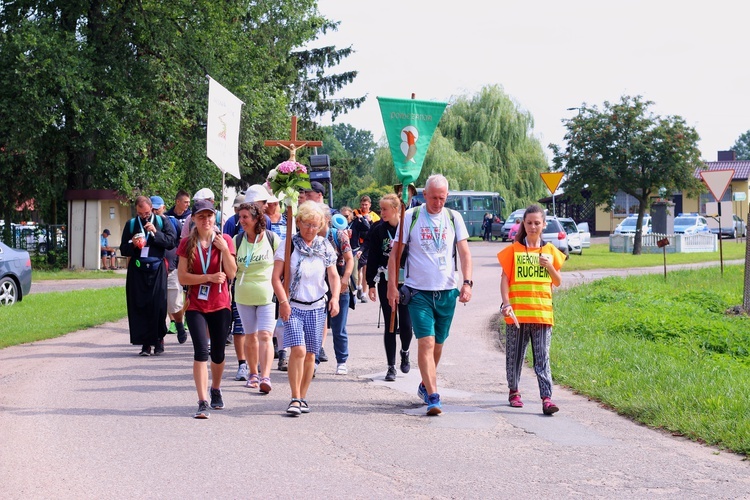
x,y
665,354
599,257
48,315
67,274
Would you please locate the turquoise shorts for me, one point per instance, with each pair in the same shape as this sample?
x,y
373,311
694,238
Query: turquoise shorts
x,y
432,313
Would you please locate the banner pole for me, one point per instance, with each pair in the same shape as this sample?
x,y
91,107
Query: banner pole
x,y
398,258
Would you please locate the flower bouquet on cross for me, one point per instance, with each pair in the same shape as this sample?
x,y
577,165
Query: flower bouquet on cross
x,y
286,180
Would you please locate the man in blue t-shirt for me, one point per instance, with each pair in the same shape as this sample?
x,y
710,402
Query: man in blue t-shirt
x,y
108,253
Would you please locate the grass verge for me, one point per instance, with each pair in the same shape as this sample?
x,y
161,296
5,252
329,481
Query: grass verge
x,y
67,274
665,354
599,257
48,315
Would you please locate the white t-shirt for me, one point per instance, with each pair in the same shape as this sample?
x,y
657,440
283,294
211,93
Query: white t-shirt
x,y
312,284
430,266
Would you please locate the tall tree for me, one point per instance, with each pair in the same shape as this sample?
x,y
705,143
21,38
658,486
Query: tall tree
x,y
625,147
742,146
106,94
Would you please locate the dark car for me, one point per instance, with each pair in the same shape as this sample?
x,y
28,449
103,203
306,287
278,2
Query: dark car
x,y
15,275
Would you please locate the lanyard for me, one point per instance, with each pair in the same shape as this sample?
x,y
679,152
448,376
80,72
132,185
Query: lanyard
x,y
145,234
205,262
249,258
436,236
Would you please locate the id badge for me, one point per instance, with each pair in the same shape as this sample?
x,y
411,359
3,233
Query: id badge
x,y
203,292
442,263
144,252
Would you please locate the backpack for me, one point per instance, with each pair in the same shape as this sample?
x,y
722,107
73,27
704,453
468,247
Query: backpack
x,y
159,223
414,217
269,234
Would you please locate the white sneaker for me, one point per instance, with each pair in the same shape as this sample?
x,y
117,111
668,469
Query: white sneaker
x,y
242,372
341,369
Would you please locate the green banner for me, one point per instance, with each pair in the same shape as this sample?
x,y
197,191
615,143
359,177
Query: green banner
x,y
409,125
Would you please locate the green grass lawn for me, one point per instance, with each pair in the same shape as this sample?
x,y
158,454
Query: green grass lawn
x,y
67,274
48,315
663,353
599,257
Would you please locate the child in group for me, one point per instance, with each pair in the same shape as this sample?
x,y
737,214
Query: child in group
x,y
530,267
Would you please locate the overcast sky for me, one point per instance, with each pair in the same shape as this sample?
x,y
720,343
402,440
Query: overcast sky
x,y
689,58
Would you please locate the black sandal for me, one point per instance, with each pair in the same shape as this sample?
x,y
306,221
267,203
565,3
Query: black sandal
x,y
292,410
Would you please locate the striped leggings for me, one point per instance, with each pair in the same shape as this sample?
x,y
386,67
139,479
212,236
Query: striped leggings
x,y
515,352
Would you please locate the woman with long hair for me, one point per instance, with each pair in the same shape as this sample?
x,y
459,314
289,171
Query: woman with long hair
x,y
381,235
206,264
530,268
304,308
253,293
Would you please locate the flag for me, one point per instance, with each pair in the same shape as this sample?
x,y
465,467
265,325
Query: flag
x,y
409,125
223,130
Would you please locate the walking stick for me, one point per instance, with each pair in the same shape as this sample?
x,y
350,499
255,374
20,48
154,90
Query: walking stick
x,y
398,260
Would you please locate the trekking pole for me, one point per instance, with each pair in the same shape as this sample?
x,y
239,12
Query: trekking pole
x,y
398,259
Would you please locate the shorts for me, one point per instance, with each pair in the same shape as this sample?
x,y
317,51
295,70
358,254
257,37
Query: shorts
x,y
432,313
257,318
107,253
305,327
175,297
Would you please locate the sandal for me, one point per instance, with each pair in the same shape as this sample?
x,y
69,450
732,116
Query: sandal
x,y
304,408
548,407
515,399
252,381
294,410
265,385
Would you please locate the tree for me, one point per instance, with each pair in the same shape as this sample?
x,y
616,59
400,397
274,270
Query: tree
x,y
625,147
742,146
97,94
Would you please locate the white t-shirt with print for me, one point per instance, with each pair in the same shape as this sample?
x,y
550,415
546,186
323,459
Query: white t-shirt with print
x,y
431,266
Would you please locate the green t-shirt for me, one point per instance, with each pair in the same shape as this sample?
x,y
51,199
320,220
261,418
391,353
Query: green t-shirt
x,y
254,269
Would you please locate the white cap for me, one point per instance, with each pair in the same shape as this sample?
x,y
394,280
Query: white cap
x,y
272,199
256,192
204,194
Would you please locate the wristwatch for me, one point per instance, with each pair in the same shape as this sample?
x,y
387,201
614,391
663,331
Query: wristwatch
x,y
469,282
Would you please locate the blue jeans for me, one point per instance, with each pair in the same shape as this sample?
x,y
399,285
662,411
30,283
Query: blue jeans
x,y
338,329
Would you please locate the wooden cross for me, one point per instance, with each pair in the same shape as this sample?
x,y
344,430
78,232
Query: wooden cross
x,y
292,145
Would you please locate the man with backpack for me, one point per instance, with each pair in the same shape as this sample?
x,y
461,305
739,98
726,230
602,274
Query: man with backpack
x,y
145,239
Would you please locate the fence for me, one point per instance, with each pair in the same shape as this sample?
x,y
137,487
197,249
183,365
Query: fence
x,y
678,243
46,243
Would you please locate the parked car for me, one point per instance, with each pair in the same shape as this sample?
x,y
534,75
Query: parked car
x,y
690,224
15,275
629,223
505,229
555,233
585,234
738,228
574,237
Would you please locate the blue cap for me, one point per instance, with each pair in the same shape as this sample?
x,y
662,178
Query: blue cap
x,y
156,202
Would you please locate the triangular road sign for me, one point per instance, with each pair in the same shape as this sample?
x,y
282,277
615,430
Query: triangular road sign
x,y
552,180
717,181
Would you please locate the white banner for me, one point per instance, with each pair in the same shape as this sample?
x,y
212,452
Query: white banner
x,y
223,131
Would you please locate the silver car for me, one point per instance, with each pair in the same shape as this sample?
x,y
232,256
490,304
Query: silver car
x,y
574,237
15,275
555,233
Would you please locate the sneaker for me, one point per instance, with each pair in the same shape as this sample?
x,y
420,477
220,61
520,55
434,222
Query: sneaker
x,y
405,365
322,356
422,393
203,410
217,402
242,372
172,328
283,361
182,335
145,351
548,407
433,404
341,369
159,347
390,375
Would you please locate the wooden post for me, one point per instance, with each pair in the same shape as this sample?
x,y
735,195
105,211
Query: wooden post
x,y
292,145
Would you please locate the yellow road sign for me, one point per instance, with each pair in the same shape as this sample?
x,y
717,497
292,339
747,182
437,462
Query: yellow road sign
x,y
552,180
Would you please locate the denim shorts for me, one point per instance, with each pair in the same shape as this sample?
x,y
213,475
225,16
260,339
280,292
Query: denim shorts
x,y
432,313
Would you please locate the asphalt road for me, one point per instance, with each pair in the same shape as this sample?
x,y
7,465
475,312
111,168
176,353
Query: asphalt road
x,y
83,416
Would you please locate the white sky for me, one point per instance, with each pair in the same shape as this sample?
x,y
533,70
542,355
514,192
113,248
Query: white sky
x,y
689,58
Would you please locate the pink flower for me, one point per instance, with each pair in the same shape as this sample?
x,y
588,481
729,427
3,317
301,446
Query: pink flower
x,y
287,167
301,169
